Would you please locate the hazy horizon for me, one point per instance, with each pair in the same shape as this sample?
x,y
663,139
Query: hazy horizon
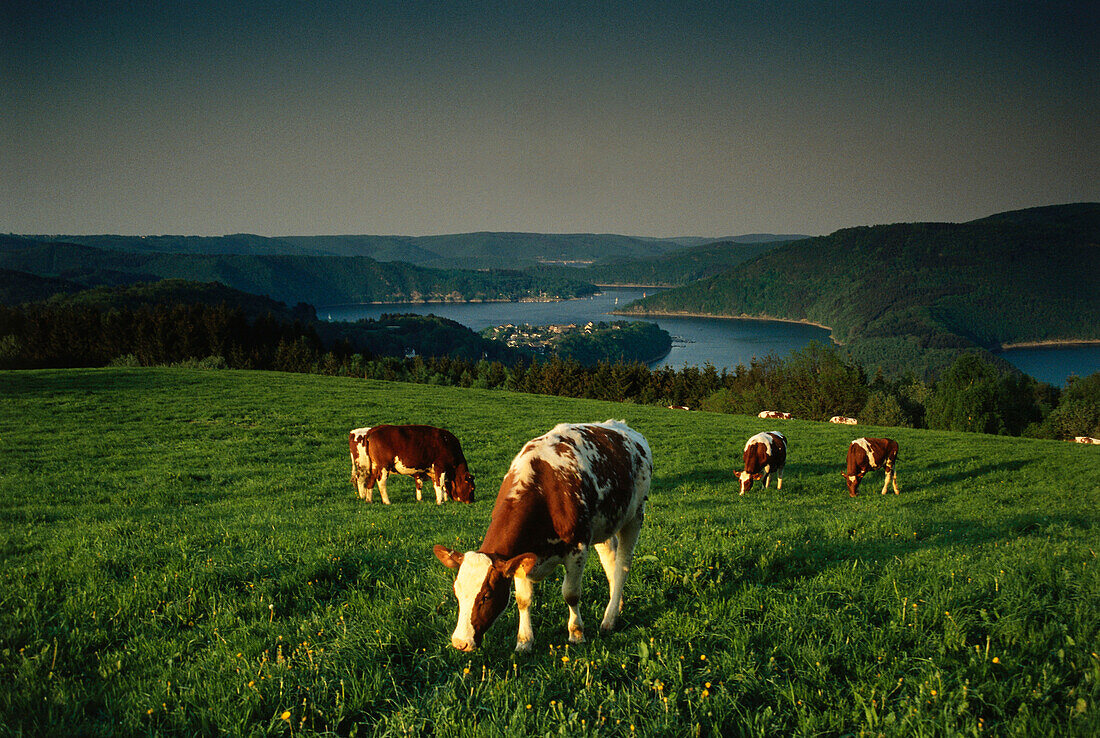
x,y
421,118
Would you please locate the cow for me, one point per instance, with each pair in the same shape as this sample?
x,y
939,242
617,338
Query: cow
x,y
765,454
866,454
773,415
419,451
1086,439
575,487
843,420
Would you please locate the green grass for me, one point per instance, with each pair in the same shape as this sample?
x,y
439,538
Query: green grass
x,y
182,553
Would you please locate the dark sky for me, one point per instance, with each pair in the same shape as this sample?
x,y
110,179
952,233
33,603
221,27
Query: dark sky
x,y
647,119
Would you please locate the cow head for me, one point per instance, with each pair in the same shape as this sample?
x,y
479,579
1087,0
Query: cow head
x,y
461,487
853,482
746,480
482,587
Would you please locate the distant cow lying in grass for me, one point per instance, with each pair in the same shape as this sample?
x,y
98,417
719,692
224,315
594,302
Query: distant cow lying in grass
x,y
419,451
765,454
843,420
773,415
866,454
575,487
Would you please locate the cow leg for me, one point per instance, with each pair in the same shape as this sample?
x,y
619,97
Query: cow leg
x,y
607,551
886,481
419,486
571,591
366,485
779,478
525,597
358,477
624,556
893,478
767,479
382,476
439,483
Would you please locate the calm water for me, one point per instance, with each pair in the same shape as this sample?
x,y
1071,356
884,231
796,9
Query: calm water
x,y
723,342
695,341
1053,365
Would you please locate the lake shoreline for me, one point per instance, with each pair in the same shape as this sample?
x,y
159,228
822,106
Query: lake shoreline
x,y
1059,343
761,318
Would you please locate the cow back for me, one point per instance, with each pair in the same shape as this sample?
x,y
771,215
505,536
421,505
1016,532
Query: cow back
x,y
575,484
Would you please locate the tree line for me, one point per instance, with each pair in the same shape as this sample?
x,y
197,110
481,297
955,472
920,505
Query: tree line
x,y
819,381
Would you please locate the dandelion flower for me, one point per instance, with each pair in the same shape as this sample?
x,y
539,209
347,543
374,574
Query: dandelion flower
x,y
996,660
285,715
565,659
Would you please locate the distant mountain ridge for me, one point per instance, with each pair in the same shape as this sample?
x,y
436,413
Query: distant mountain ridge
x,y
479,250
482,250
319,280
914,294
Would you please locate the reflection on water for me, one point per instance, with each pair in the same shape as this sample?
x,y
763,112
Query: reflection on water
x,y
723,342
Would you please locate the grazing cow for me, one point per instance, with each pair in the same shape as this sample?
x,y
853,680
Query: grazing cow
x,y
773,415
865,454
575,487
765,454
418,451
843,420
1086,439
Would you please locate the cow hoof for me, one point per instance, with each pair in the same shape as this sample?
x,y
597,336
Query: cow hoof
x,y
607,627
742,494
576,636
852,494
523,646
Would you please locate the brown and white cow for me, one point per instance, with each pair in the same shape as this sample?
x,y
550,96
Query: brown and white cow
x,y
1086,439
575,487
419,451
843,420
865,454
773,415
765,454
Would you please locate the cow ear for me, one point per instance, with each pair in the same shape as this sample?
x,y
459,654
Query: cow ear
x,y
451,559
519,566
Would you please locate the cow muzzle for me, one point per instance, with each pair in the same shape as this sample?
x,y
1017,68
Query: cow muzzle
x,y
463,645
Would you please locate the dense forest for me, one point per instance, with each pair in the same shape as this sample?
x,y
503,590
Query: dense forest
x,y
815,383
618,342
319,280
913,296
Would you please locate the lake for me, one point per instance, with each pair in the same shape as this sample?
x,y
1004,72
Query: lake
x,y
724,342
1053,364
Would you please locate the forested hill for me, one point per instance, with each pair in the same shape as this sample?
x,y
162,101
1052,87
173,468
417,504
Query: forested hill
x,y
319,280
673,268
919,292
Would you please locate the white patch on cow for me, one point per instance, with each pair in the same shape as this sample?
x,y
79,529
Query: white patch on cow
x,y
471,578
400,468
863,444
852,478
766,438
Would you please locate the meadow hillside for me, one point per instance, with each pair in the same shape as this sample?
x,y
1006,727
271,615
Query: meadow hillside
x,y
908,295
182,553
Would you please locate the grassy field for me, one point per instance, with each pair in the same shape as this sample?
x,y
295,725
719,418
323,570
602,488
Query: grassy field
x,y
182,553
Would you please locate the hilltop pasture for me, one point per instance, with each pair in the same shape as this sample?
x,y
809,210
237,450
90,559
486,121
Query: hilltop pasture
x,y
183,553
